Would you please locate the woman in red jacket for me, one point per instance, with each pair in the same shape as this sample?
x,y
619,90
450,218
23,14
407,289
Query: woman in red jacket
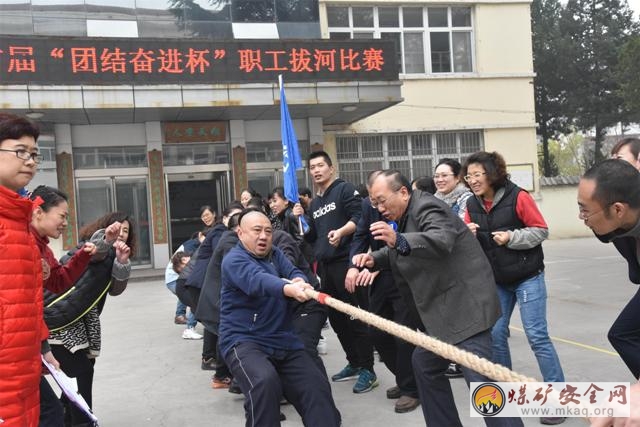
x,y
22,328
49,220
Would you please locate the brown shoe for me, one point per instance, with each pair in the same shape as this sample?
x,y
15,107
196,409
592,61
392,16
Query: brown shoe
x,y
180,320
406,404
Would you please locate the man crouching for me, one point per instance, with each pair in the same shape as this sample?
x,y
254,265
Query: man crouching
x,y
257,338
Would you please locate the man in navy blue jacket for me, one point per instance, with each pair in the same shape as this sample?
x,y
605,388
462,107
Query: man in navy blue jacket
x,y
257,338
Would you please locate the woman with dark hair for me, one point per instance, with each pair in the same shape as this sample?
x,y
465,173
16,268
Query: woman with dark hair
x,y
76,345
627,149
282,218
247,194
49,220
449,186
511,229
189,285
208,215
21,324
424,183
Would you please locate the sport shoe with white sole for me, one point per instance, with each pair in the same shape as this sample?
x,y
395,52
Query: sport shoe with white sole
x,y
191,334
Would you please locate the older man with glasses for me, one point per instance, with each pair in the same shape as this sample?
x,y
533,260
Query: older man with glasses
x,y
441,271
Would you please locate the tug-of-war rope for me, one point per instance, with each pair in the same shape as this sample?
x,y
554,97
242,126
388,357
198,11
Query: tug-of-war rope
x,y
447,351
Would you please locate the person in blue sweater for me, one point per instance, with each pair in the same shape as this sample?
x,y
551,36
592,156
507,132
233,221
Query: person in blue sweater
x,y
257,338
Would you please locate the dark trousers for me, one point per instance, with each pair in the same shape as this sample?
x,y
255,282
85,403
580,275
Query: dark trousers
x,y
76,365
438,405
308,320
385,301
190,295
51,410
353,334
624,335
265,375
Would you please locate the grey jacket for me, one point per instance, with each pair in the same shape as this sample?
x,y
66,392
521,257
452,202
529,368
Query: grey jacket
x,y
446,271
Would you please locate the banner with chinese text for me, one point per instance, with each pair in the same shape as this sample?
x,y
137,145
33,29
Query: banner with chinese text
x,y
50,60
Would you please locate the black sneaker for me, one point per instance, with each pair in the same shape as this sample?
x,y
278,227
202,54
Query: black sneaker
x,y
234,388
453,371
209,364
394,392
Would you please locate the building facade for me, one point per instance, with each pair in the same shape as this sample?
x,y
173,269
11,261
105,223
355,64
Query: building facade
x,y
467,84
157,107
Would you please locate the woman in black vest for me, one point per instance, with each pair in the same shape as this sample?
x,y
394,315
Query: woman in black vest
x,y
511,229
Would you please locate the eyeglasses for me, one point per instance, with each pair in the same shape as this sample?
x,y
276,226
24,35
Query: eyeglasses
x,y
584,215
376,203
25,155
476,175
442,175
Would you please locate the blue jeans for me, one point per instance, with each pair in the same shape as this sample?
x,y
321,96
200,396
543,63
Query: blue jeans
x,y
531,296
181,308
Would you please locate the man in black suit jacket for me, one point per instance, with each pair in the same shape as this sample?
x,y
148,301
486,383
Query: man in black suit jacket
x,y
447,281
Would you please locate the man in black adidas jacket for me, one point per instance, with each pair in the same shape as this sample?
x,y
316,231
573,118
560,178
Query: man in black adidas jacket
x,y
335,212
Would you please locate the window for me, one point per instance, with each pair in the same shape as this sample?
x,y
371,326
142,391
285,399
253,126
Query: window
x,y
428,39
413,154
271,151
195,154
109,157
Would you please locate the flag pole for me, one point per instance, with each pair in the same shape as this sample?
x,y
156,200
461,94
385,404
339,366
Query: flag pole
x,y
281,87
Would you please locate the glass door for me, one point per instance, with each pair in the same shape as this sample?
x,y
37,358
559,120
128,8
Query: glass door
x,y
98,196
95,198
131,197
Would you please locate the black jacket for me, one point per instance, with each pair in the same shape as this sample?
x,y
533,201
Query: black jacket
x,y
339,204
208,310
204,254
446,275
61,310
509,266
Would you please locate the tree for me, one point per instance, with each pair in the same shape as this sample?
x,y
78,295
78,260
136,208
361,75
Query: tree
x,y
627,74
596,30
549,86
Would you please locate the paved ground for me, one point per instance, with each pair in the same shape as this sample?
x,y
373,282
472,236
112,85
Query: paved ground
x,y
148,376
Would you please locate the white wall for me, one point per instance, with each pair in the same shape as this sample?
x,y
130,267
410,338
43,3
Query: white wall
x,y
109,135
559,207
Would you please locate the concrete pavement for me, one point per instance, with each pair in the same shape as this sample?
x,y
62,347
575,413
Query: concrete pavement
x,y
148,376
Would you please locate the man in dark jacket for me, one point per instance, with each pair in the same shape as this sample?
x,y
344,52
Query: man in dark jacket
x,y
385,300
257,338
609,203
447,281
335,212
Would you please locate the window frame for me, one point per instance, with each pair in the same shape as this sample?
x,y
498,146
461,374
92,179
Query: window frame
x,y
426,31
355,164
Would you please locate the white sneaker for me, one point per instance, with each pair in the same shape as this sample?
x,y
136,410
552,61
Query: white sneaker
x,y
322,346
191,334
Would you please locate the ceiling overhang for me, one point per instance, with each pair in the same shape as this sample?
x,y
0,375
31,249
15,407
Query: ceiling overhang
x,y
337,103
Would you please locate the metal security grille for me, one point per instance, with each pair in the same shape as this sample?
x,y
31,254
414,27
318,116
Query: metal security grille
x,y
414,154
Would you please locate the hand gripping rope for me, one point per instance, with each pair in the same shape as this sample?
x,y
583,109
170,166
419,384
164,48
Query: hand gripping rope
x,y
448,351
483,366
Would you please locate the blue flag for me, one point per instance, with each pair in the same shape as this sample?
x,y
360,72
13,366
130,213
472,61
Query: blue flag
x,y
290,153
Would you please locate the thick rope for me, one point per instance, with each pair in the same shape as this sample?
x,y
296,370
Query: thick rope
x,y
447,351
